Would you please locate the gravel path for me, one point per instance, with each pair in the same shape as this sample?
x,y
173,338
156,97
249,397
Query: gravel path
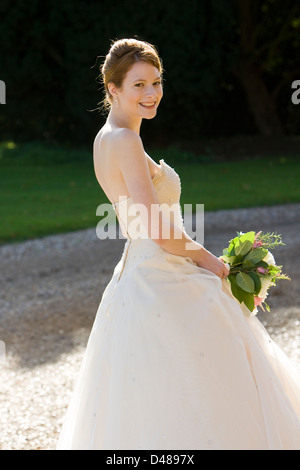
x,y
51,289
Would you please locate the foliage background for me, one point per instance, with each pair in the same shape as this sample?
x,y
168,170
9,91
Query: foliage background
x,y
229,65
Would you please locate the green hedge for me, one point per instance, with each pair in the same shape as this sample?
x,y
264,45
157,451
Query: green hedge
x,y
49,48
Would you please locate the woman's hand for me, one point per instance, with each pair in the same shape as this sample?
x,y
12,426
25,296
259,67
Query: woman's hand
x,y
210,262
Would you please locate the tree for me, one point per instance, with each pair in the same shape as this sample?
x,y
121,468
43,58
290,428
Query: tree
x,y
268,34
228,66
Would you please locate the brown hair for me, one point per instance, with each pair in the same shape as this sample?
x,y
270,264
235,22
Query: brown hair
x,y
121,57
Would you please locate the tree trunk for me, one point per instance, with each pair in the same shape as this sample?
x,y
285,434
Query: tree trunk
x,y
260,101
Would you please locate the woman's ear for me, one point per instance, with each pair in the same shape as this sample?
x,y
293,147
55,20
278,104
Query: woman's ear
x,y
112,89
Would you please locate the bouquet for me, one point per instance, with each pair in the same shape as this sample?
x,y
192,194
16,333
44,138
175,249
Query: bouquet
x,y
252,267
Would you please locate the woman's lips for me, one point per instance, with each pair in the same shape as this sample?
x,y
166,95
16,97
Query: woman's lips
x,y
150,105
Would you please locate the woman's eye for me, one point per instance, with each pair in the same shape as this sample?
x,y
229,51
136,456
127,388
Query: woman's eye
x,y
141,84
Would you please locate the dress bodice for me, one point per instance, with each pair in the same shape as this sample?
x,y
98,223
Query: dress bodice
x,y
167,186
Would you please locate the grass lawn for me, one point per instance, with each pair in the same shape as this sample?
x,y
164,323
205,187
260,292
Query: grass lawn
x,y
242,184
46,190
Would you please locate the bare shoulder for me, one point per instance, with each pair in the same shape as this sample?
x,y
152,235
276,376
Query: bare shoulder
x,y
116,137
126,149
124,133
118,143
124,139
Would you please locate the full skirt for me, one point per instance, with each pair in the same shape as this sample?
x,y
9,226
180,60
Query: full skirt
x,y
173,363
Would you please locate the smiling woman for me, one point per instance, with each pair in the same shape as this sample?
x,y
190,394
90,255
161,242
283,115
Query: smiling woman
x,y
122,55
138,94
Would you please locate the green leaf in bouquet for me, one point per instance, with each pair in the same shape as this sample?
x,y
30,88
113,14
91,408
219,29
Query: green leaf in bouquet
x,y
249,301
237,259
231,250
225,252
243,248
247,246
236,245
257,282
235,289
245,282
248,236
256,255
247,264
261,264
240,294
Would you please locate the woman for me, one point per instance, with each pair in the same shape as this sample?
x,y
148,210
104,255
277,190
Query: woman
x,y
172,362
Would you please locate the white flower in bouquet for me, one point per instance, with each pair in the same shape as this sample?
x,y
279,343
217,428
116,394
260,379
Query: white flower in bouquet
x,y
265,284
269,258
265,280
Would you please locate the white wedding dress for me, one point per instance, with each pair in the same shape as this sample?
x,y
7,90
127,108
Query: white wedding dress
x,y
173,362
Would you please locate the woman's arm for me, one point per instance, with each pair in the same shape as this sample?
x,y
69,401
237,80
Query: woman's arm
x,y
202,257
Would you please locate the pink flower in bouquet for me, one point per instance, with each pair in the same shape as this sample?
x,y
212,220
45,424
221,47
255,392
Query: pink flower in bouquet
x,y
257,243
262,270
257,301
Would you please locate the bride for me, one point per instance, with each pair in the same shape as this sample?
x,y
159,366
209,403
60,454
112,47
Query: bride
x,y
172,361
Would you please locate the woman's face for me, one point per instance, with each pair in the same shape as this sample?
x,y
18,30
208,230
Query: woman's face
x,y
141,91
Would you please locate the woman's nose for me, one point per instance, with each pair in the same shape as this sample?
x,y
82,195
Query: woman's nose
x,y
150,91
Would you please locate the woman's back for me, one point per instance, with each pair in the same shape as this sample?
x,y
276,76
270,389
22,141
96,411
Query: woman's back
x,y
107,164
